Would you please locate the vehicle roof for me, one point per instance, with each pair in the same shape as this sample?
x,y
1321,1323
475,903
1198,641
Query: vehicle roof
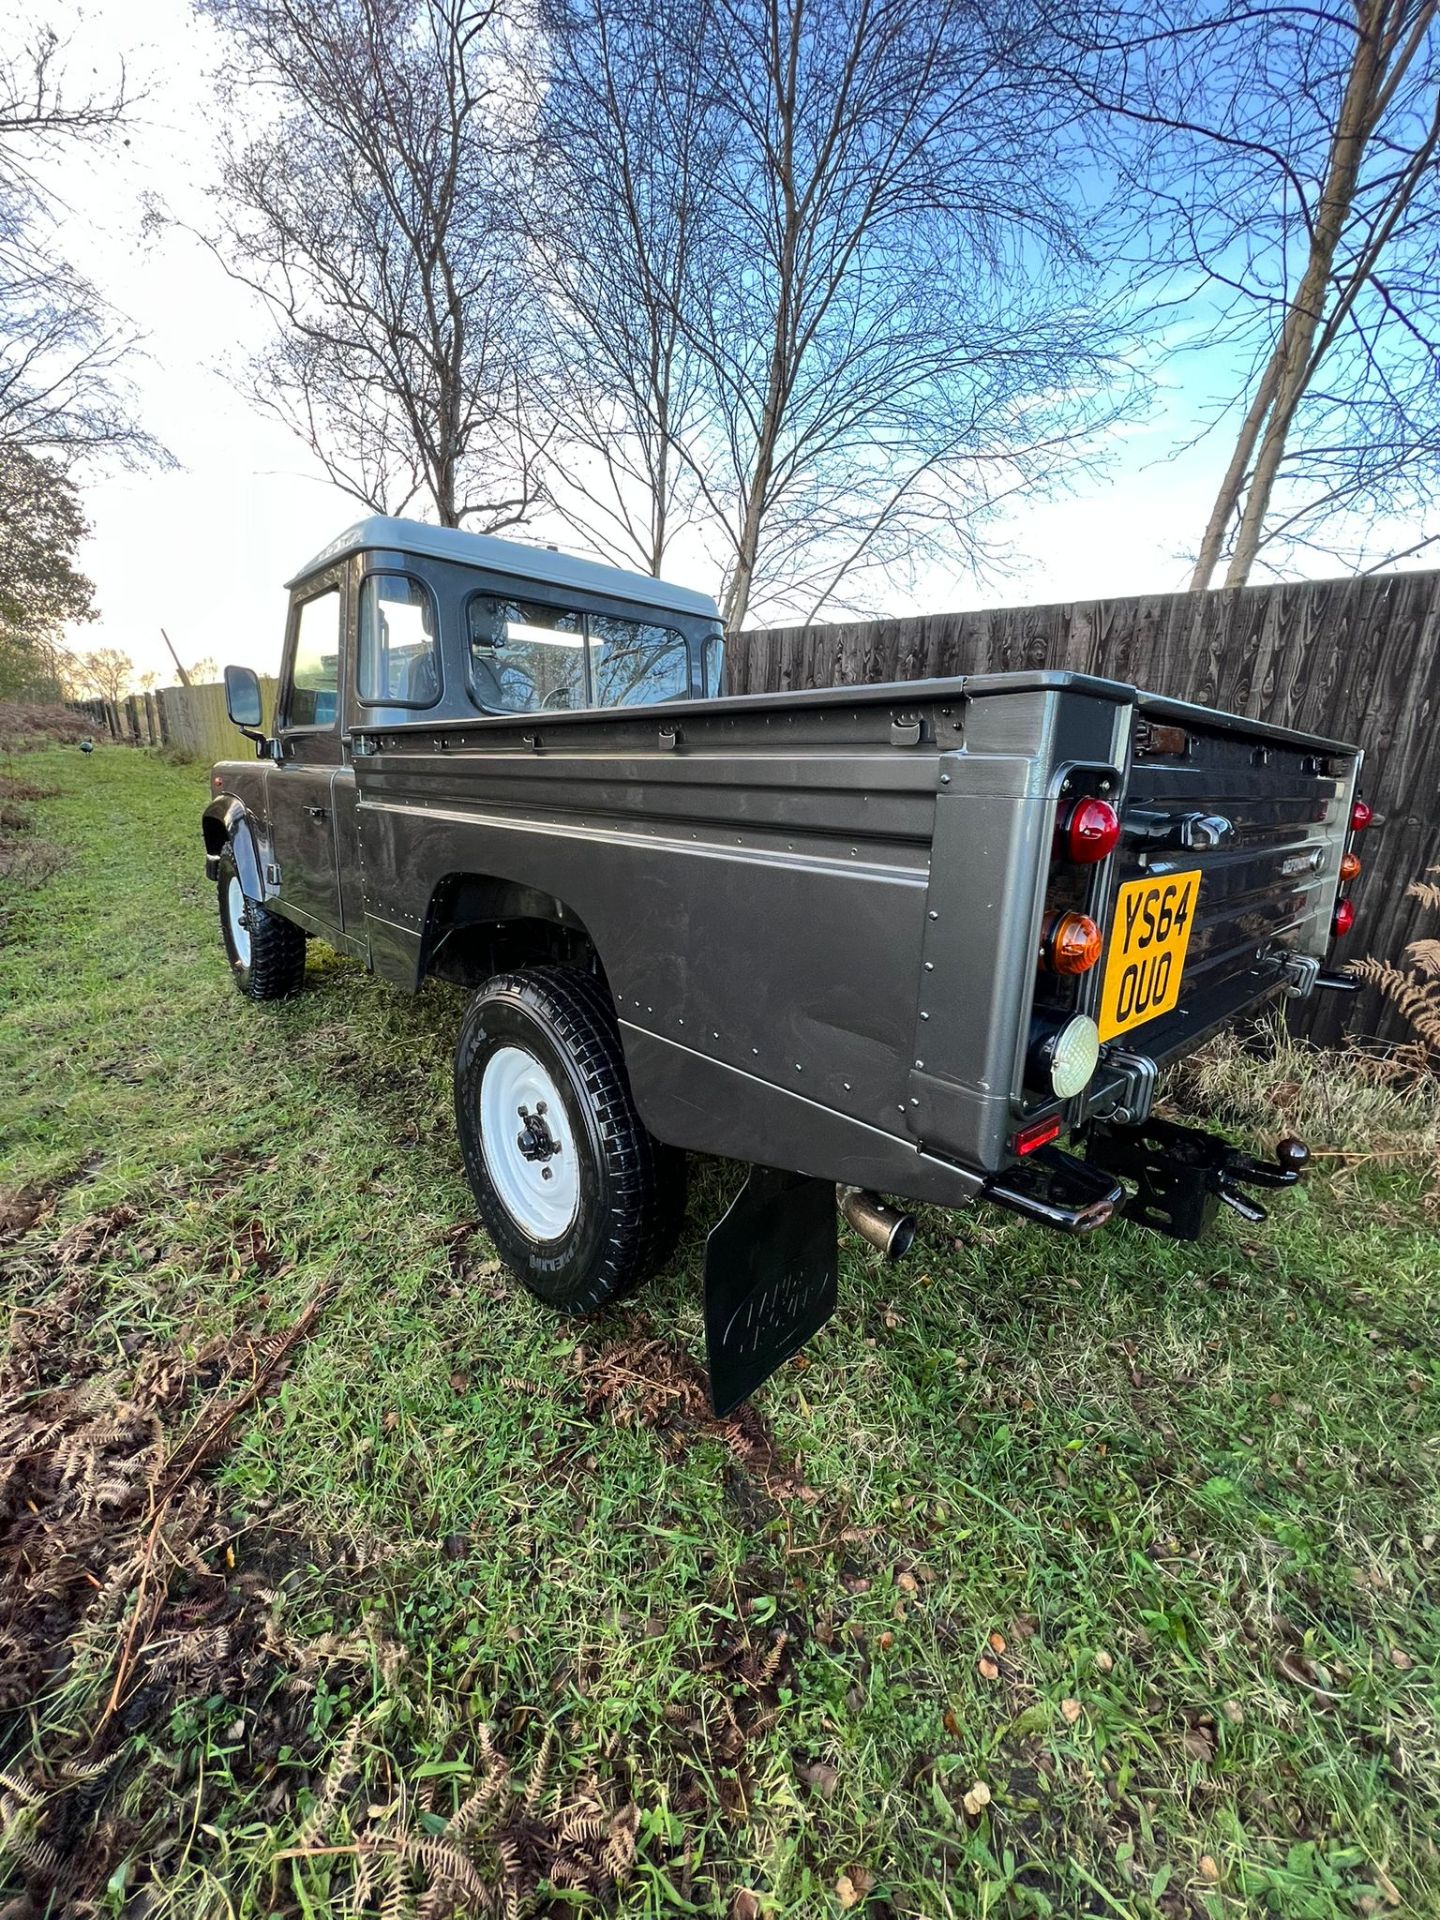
x,y
517,558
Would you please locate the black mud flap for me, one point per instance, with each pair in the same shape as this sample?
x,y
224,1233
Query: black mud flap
x,y
770,1273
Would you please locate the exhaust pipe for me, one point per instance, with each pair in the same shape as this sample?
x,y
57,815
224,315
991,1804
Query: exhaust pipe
x,y
875,1220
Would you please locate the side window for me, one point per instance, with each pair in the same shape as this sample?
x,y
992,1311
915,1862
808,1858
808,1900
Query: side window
x,y
315,676
399,661
636,663
714,665
525,657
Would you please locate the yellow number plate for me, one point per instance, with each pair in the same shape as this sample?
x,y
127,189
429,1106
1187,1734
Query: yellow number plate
x,y
1145,954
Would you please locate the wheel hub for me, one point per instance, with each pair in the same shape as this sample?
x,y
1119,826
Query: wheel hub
x,y
533,1167
536,1142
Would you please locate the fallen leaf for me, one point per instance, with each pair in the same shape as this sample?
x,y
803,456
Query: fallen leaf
x,y
977,1799
886,1641
1070,1711
1304,1672
1399,1658
1200,1743
459,1383
1104,1662
1234,1713
988,1669
822,1777
1209,1868
861,1877
952,1723
846,1892
746,1906
907,1583
997,1641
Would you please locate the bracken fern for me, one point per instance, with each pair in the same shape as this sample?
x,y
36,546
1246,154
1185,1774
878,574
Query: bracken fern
x,y
1414,989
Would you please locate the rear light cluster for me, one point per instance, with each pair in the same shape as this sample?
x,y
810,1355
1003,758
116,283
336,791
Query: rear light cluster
x,y
1084,836
1361,816
1064,1048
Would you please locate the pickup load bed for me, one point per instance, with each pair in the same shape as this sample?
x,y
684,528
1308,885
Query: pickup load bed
x,y
900,939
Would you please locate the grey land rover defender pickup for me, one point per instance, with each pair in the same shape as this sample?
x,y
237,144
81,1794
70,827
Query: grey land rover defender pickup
x,y
891,940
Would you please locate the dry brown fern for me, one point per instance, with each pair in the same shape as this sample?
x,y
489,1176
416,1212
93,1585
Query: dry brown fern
x,y
1414,989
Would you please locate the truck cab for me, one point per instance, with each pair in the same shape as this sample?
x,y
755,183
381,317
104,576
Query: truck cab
x,y
399,628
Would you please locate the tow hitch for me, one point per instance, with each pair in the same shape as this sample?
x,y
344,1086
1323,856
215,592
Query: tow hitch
x,y
1182,1175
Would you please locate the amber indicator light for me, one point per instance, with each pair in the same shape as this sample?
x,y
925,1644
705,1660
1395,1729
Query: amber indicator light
x,y
1072,943
1349,866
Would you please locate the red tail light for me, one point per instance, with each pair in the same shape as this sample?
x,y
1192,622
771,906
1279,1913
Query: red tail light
x,y
1361,815
1344,918
1072,943
1091,830
1039,1133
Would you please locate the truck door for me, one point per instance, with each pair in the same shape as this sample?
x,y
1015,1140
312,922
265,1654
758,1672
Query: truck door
x,y
302,816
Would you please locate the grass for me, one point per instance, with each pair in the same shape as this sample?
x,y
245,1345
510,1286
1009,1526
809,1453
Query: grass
x,y
1138,1539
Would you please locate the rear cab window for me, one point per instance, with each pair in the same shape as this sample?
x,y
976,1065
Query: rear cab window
x,y
399,661
535,657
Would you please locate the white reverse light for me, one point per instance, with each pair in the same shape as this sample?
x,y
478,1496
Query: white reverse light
x,y
1074,1054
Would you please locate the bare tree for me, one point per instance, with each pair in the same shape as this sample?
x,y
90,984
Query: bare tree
x,y
866,319
105,673
360,197
616,214
62,347
1282,163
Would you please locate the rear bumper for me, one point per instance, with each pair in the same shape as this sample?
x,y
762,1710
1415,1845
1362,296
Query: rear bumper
x,y
1129,1066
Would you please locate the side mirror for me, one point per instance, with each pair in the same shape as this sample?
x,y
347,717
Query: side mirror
x,y
242,698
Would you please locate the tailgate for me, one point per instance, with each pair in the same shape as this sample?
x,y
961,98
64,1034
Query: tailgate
x,y
1266,816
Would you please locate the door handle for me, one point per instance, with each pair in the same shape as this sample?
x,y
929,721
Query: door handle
x,y
318,813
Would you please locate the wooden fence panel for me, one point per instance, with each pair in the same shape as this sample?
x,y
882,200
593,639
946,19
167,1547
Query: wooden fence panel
x,y
1356,659
194,720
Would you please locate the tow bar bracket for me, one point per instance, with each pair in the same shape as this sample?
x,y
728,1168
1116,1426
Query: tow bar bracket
x,y
1183,1176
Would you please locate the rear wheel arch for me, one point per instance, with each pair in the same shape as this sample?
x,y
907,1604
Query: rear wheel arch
x,y
477,925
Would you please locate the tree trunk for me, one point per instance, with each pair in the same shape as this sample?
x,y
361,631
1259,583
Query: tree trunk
x,y
1289,369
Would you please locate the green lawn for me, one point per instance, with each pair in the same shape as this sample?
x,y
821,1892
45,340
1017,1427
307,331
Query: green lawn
x,y
1055,1578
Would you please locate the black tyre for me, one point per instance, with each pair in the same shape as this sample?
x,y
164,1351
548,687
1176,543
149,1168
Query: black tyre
x,y
581,1202
267,954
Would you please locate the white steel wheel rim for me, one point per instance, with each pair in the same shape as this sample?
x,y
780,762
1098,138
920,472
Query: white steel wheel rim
x,y
541,1194
236,919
